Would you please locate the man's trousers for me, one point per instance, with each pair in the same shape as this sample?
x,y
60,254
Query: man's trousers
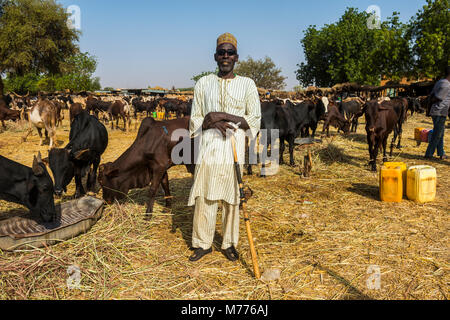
x,y
205,223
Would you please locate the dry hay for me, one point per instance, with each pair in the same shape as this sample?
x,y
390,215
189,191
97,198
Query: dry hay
x,y
322,233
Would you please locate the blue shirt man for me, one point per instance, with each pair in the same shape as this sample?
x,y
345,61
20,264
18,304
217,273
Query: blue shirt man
x,y
439,113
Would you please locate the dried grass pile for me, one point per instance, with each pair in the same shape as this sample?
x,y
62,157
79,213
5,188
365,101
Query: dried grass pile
x,y
322,233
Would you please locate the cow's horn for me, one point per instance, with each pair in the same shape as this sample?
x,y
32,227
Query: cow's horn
x,y
78,154
37,169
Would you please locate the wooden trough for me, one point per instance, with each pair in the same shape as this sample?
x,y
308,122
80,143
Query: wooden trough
x,y
73,218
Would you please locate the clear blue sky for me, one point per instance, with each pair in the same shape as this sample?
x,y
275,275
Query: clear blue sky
x,y
146,42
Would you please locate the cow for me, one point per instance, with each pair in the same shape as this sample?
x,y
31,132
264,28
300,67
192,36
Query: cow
x,y
30,187
140,106
316,113
8,114
146,160
118,110
96,105
88,140
75,109
288,120
351,109
43,115
336,119
414,105
400,106
59,111
381,120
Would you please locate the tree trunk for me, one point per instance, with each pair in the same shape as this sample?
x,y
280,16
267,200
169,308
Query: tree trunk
x,y
1,88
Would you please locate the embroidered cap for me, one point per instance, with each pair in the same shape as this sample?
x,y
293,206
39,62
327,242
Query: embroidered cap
x,y
227,38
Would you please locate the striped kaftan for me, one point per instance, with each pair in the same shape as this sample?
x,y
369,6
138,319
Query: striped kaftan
x,y
215,178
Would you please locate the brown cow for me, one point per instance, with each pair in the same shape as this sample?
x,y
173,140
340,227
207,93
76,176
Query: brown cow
x,y
8,114
117,110
59,113
146,160
381,120
400,106
335,118
43,115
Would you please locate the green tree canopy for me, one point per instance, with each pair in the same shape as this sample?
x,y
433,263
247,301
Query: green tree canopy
x,y
204,73
264,72
76,75
34,38
430,32
349,51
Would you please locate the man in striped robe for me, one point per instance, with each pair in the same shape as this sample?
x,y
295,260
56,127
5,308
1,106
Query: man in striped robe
x,y
222,103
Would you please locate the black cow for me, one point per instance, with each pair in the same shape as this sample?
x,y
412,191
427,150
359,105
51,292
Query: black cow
x,y
88,140
414,105
351,110
141,106
316,113
288,120
31,187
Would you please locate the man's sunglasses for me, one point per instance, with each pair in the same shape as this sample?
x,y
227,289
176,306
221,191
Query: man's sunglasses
x,y
230,52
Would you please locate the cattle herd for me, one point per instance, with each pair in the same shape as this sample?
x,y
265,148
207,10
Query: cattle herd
x,y
147,160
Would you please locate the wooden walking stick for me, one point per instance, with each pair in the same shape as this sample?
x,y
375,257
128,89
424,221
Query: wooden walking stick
x,y
242,206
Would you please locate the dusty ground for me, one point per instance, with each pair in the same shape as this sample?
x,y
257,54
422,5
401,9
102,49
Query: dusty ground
x,y
326,248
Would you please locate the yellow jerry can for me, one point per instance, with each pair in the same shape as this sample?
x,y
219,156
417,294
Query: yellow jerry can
x,y
391,184
403,167
421,183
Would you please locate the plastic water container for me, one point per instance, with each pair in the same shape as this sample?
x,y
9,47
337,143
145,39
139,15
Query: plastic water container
x,y
424,135
403,167
421,183
417,132
391,184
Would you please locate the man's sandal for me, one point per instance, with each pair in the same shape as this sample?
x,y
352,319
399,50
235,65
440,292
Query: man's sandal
x,y
199,253
231,253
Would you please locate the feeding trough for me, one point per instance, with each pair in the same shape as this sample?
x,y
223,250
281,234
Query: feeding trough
x,y
73,218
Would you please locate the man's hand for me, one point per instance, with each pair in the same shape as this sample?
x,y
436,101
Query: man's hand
x,y
212,118
223,126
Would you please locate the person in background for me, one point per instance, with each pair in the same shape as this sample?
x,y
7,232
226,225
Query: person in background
x,y
440,100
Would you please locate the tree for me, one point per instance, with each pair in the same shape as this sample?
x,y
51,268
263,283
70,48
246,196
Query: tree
x,y
204,73
430,30
391,49
349,51
34,38
263,72
76,75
